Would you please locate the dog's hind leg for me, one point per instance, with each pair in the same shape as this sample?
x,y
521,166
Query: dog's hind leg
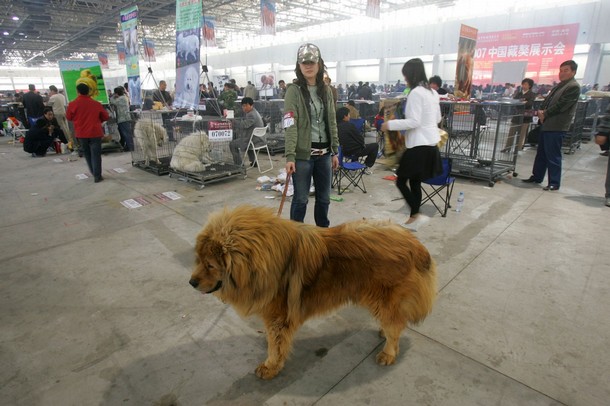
x,y
279,343
392,324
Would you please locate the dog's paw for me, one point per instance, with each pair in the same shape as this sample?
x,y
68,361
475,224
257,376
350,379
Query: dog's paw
x,y
385,359
265,372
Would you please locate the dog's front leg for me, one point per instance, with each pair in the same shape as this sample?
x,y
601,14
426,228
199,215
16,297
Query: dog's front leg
x,y
279,343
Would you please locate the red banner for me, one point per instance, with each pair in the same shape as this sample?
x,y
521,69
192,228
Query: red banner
x,y
543,48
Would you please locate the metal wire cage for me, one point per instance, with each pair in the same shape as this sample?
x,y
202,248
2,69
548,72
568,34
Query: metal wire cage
x,y
152,144
478,135
202,152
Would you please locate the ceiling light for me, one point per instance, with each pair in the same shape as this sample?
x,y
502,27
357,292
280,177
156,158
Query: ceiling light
x,y
15,18
5,33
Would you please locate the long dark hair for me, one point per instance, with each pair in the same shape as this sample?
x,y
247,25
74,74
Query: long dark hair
x,y
320,85
415,74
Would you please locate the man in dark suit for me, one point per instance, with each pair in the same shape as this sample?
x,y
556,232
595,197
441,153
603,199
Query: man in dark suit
x,y
34,105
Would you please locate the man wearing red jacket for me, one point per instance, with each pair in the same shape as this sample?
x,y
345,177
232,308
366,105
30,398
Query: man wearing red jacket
x,y
88,116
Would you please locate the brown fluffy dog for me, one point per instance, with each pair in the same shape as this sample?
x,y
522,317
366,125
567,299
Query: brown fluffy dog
x,y
287,272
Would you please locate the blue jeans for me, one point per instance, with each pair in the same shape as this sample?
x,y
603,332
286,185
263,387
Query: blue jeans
x,y
92,149
126,135
320,167
548,157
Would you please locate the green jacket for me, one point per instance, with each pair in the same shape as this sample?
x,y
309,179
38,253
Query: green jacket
x,y
228,98
297,124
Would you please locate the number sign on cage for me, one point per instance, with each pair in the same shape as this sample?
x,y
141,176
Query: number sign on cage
x,y
220,131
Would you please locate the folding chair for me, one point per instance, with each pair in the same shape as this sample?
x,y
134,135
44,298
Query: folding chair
x,y
440,186
260,133
351,171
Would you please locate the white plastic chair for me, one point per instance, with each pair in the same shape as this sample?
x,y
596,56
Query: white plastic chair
x,y
260,133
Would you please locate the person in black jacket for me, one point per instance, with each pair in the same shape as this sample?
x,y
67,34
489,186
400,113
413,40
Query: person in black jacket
x,y
34,105
41,136
352,141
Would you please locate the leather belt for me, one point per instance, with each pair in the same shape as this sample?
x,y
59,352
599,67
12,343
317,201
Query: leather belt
x,y
319,151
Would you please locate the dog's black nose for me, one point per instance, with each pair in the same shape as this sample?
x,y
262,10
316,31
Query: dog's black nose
x,y
194,283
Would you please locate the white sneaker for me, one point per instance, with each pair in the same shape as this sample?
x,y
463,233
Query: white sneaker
x,y
419,221
367,171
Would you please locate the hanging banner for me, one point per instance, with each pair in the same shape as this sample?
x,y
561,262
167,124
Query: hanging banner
x,y
120,50
373,8
268,17
188,67
542,48
88,72
149,50
103,59
209,31
465,61
129,27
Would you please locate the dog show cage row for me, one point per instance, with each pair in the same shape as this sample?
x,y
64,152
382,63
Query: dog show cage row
x,y
212,156
482,137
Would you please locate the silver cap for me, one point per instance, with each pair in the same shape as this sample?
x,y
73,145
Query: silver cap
x,y
308,53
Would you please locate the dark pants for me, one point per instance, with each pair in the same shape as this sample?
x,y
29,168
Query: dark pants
x,y
548,157
369,151
608,180
92,150
412,195
238,147
126,135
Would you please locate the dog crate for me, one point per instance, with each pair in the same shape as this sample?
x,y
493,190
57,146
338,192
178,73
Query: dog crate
x,y
595,110
478,134
213,153
152,147
573,138
110,142
272,112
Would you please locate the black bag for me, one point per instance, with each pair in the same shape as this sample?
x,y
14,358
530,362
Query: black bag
x,y
533,136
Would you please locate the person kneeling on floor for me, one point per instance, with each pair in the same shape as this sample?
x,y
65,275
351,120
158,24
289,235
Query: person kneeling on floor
x,y
352,141
41,136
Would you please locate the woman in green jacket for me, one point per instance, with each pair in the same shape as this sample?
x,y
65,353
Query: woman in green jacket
x,y
311,135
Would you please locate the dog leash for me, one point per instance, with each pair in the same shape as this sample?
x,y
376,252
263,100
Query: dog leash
x,y
288,175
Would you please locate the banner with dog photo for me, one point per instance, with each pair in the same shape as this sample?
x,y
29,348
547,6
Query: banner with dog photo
x,y
465,61
74,73
188,39
129,28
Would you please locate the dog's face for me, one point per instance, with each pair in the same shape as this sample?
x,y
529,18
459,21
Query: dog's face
x,y
190,79
210,266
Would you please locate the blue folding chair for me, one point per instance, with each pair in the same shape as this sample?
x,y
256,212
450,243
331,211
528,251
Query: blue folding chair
x,y
349,171
440,187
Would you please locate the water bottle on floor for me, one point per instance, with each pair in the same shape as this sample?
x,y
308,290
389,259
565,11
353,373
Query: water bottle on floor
x,y
460,202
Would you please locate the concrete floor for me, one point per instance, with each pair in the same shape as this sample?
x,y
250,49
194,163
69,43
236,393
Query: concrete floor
x,y
96,309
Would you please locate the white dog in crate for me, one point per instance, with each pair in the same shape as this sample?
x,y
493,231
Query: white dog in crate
x,y
149,136
192,153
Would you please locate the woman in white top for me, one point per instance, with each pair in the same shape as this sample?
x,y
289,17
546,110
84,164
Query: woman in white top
x,y
422,159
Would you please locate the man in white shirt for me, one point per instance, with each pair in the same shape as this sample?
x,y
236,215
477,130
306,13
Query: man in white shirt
x,y
58,102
